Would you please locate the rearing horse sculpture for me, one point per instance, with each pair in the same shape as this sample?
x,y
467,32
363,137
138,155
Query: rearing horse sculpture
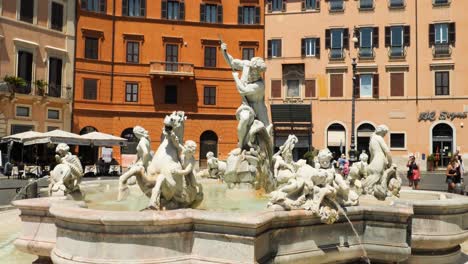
x,y
160,182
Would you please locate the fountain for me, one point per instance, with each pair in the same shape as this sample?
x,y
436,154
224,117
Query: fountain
x,y
189,220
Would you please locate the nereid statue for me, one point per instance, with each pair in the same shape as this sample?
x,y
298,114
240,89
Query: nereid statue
x,y
66,176
216,168
250,164
168,180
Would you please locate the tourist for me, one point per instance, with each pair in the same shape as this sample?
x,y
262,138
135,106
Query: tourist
x,y
341,161
451,173
414,175
460,167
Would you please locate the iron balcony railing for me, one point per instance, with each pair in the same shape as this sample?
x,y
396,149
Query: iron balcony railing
x,y
442,50
171,68
336,54
397,52
366,53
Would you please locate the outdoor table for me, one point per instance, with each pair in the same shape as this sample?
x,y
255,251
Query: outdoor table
x,y
90,169
115,168
36,170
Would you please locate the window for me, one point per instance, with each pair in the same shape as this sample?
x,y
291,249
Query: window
x,y
293,88
210,56
56,22
440,2
249,15
52,128
441,33
55,77
366,4
309,47
397,140
397,38
26,11
336,5
336,51
90,89
276,5
211,13
133,51
274,48
174,10
310,4
248,53
15,129
91,48
310,88
23,111
172,57
131,92
397,3
53,114
397,84
170,96
276,89
366,42
442,83
94,5
134,8
25,62
209,95
336,85
365,85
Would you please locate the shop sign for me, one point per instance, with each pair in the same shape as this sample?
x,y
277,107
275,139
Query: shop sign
x,y
443,115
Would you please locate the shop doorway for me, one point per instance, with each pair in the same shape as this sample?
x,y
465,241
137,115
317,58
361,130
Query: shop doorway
x,y
208,142
336,140
364,132
442,144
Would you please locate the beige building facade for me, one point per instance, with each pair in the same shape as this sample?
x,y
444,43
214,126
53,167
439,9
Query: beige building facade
x,y
36,43
410,73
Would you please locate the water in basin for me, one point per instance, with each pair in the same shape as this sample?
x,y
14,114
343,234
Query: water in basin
x,y
217,197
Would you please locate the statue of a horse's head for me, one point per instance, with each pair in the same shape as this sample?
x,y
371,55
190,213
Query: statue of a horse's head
x,y
175,123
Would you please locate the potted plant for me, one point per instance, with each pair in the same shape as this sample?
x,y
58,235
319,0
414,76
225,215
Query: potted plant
x,y
430,162
14,83
41,87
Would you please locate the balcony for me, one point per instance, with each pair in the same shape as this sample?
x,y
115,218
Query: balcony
x,y
396,52
336,54
441,50
366,53
175,69
51,91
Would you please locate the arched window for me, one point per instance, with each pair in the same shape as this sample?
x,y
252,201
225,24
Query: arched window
x,y
208,142
442,143
364,131
336,139
88,154
132,141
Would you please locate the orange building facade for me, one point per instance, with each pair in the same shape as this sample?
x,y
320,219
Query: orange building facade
x,y
140,60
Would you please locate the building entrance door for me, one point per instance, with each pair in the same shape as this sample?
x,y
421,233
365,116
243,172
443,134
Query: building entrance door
x,y
364,132
442,144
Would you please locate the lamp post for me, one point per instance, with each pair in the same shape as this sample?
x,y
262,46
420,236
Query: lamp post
x,y
353,152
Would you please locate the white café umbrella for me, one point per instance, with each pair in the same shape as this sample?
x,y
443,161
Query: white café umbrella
x,y
60,136
23,137
103,139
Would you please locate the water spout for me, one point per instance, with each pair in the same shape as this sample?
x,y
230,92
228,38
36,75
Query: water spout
x,y
364,258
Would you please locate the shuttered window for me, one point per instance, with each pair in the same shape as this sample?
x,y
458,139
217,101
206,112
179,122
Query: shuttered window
x,y
310,88
248,15
397,84
91,48
90,89
209,95
336,85
131,92
275,88
210,56
174,10
442,83
211,13
134,8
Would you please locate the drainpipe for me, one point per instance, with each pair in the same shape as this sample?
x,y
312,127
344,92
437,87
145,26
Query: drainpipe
x,y
417,52
113,46
74,66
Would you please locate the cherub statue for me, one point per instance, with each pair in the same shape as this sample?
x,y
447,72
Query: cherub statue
x,y
66,176
216,168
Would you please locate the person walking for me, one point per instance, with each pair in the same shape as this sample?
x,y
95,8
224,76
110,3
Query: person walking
x,y
414,175
451,173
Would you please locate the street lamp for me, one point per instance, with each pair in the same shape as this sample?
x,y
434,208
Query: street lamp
x,y
353,152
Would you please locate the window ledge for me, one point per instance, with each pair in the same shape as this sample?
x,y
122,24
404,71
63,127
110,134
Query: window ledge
x,y
366,9
441,4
